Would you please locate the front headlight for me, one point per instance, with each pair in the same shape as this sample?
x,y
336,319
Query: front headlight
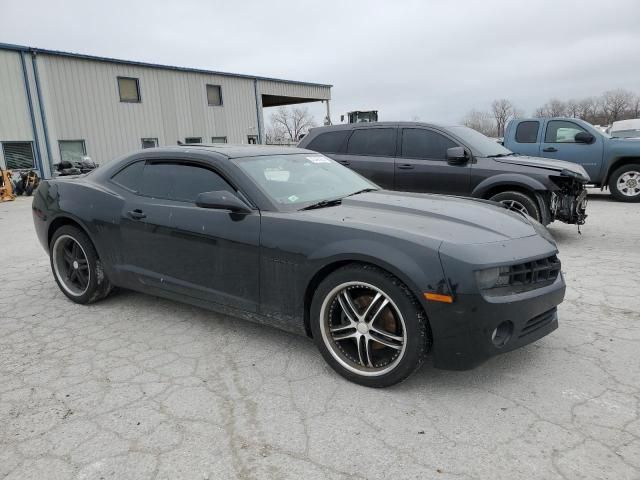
x,y
492,277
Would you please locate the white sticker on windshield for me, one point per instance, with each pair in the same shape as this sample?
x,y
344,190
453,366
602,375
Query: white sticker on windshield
x,y
292,198
319,159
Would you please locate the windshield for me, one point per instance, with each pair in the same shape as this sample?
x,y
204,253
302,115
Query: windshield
x,y
299,180
480,144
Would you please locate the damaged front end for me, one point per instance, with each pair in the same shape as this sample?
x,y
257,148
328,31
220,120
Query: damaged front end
x,y
568,203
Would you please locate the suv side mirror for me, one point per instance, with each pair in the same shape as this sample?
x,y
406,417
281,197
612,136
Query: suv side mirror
x,y
456,156
222,200
584,137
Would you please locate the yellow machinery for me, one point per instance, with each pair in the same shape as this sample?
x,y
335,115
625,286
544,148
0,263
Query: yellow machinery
x,y
6,186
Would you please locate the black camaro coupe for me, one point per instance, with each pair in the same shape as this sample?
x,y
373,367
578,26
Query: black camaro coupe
x,y
290,238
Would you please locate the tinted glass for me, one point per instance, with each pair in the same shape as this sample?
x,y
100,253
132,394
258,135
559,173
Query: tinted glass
x,y
180,182
561,131
419,143
129,177
330,142
527,132
192,180
373,141
479,143
297,180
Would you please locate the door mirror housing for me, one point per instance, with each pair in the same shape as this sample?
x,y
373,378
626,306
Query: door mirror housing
x,y
584,137
456,156
222,200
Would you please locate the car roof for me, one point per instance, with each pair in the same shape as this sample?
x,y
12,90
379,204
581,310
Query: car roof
x,y
233,151
347,126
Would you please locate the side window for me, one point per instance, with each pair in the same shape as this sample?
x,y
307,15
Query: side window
x,y
562,131
421,143
527,132
373,141
330,142
129,176
179,181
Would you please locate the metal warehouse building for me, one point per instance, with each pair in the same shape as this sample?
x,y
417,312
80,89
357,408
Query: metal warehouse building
x,y
60,106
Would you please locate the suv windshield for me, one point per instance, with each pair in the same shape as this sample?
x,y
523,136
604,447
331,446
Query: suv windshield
x,y
299,180
480,144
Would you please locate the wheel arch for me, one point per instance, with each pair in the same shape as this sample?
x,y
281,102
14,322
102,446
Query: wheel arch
x,y
515,183
617,163
61,221
338,263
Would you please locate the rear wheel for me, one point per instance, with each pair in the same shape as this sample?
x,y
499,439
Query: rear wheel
x,y
76,266
368,326
518,202
625,183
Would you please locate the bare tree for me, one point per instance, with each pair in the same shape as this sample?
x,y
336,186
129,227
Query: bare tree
x,y
502,110
634,111
481,121
572,108
540,112
291,123
588,109
616,103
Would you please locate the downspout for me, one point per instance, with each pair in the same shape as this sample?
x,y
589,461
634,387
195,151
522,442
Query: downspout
x,y
258,103
39,165
43,117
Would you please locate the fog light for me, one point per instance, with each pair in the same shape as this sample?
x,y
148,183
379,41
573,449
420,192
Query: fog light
x,y
502,333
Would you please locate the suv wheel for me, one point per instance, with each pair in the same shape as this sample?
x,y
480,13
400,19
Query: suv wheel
x,y
368,326
518,202
625,183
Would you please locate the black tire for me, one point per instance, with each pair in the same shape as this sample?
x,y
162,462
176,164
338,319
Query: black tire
x,y
98,285
18,188
28,191
520,202
415,329
623,193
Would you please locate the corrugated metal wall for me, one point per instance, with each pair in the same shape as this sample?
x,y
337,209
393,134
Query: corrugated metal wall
x,y
81,101
15,122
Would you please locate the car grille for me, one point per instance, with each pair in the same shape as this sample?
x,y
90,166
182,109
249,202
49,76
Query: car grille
x,y
538,322
534,274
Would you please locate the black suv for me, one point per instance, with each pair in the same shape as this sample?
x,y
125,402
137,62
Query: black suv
x,y
455,160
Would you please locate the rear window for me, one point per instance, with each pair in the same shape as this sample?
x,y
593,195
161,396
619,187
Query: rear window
x,y
373,141
129,176
330,142
527,132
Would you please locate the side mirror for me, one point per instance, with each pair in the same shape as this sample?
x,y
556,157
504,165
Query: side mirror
x,y
456,156
584,137
222,200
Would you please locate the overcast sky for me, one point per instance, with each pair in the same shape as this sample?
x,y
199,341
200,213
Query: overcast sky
x,y
433,60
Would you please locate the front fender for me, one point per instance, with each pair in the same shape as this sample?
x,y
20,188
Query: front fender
x,y
508,180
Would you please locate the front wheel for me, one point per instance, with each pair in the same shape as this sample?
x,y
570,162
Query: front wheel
x,y
368,326
518,202
625,183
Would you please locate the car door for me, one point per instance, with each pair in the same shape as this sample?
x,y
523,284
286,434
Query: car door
x,y
559,143
208,254
370,151
421,165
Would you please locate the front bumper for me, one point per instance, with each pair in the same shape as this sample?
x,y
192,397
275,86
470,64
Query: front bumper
x,y
462,331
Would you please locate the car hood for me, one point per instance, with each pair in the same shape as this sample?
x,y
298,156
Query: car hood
x,y
547,163
444,218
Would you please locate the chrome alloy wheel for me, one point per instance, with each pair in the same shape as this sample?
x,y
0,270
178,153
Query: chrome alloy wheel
x,y
629,183
515,206
363,328
71,266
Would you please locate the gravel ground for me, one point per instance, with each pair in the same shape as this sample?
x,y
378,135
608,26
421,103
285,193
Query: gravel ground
x,y
139,387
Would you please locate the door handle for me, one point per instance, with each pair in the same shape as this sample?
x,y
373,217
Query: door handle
x,y
136,214
550,149
405,166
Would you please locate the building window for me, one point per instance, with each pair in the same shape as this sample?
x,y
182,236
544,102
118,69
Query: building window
x,y
214,95
129,89
149,142
18,155
218,139
252,139
193,140
72,150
